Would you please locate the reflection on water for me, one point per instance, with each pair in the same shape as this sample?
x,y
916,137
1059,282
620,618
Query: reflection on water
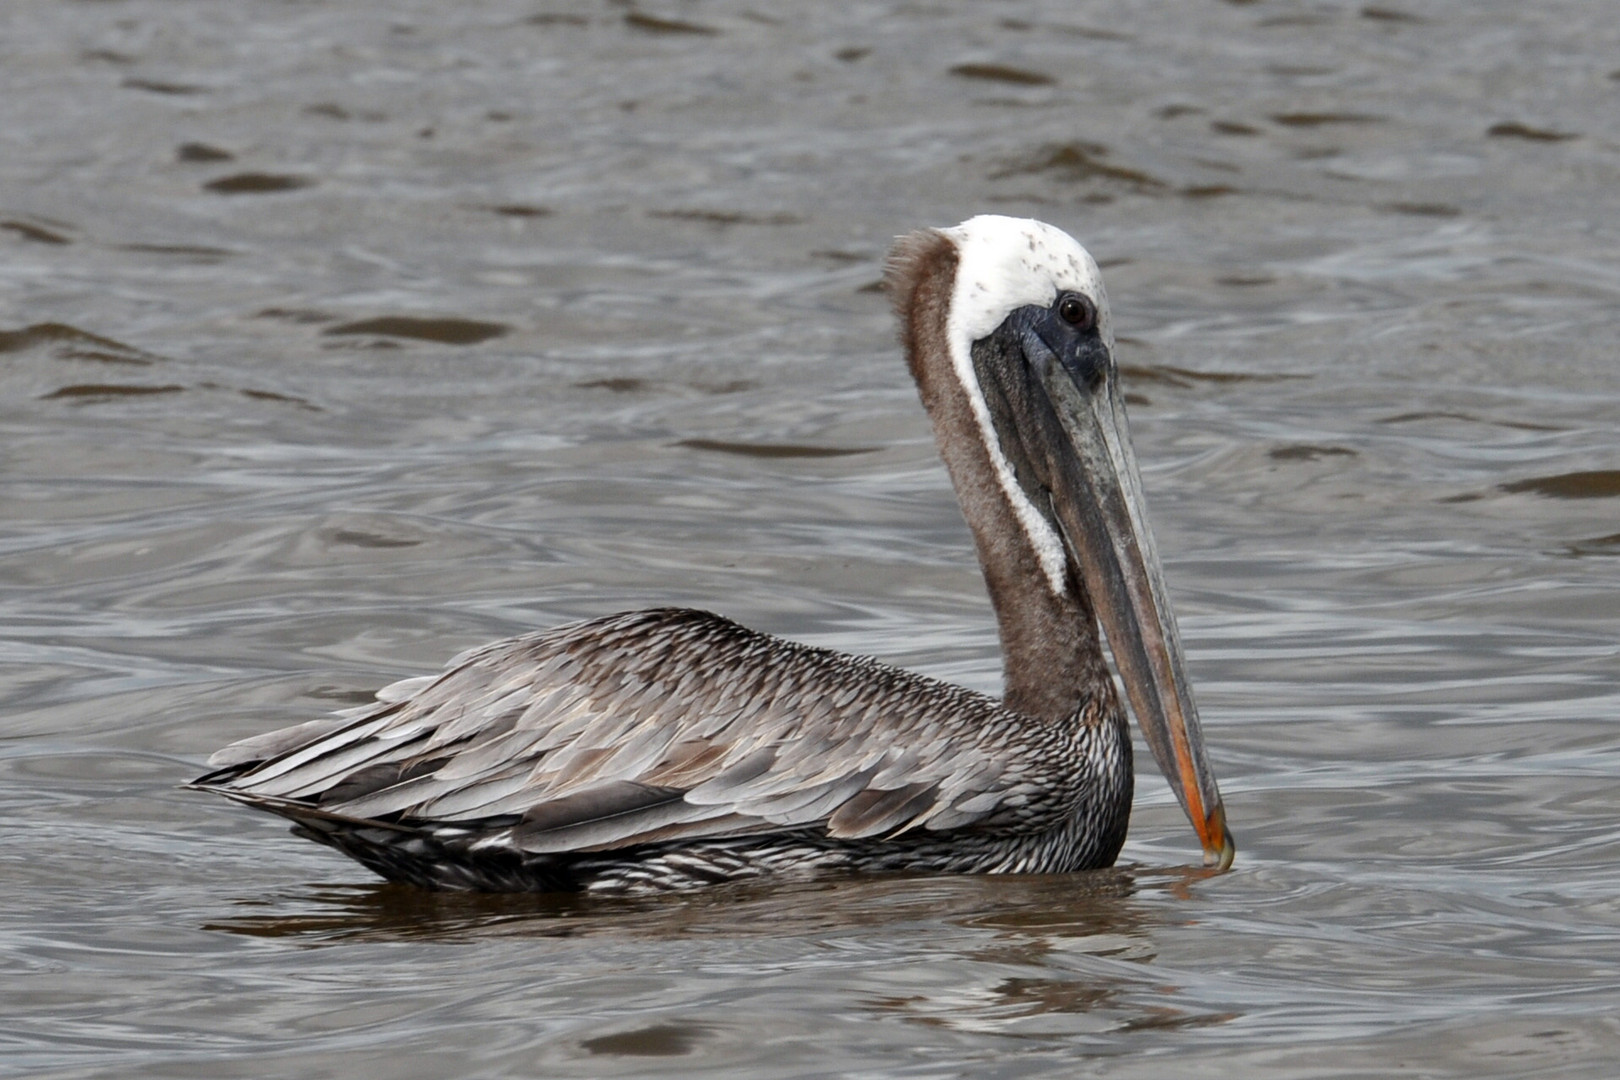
x,y
384,911
1037,926
337,338
1084,905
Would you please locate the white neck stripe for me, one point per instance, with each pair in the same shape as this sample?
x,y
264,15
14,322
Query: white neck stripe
x,y
1042,537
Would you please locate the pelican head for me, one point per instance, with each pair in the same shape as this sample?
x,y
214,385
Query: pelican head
x,y
1008,333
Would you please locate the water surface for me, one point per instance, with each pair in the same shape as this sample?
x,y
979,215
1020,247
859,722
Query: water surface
x,y
337,337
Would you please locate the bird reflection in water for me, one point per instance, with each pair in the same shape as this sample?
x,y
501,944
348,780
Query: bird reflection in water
x,y
1071,906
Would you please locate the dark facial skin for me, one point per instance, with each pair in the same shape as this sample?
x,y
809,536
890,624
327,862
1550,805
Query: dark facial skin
x,y
1067,332
1010,365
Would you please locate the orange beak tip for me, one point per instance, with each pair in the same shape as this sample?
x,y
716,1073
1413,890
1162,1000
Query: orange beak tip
x,y
1220,858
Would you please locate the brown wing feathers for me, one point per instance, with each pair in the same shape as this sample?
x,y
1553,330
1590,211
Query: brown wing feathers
x,y
637,728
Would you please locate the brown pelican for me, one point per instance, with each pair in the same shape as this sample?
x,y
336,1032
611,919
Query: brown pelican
x,y
669,748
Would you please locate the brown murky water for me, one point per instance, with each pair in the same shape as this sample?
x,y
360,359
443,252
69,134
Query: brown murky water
x,y
335,337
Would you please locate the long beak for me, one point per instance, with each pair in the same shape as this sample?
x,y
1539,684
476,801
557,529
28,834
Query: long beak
x,y
1097,498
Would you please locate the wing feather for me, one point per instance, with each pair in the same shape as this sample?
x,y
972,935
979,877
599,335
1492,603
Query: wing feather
x,y
352,744
275,743
645,727
873,812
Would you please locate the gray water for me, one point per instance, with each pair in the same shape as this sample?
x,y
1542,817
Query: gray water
x,y
336,337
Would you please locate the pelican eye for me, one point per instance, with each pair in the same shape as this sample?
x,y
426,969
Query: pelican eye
x,y
1076,310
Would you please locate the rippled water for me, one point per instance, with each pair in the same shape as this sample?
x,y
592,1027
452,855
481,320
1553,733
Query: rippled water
x,y
336,337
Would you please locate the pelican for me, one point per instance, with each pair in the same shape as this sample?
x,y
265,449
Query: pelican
x,y
672,748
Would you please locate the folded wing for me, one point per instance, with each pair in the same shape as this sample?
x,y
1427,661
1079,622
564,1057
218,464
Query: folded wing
x,y
646,727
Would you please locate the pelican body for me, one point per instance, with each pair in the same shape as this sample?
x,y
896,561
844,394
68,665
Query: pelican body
x,y
672,748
